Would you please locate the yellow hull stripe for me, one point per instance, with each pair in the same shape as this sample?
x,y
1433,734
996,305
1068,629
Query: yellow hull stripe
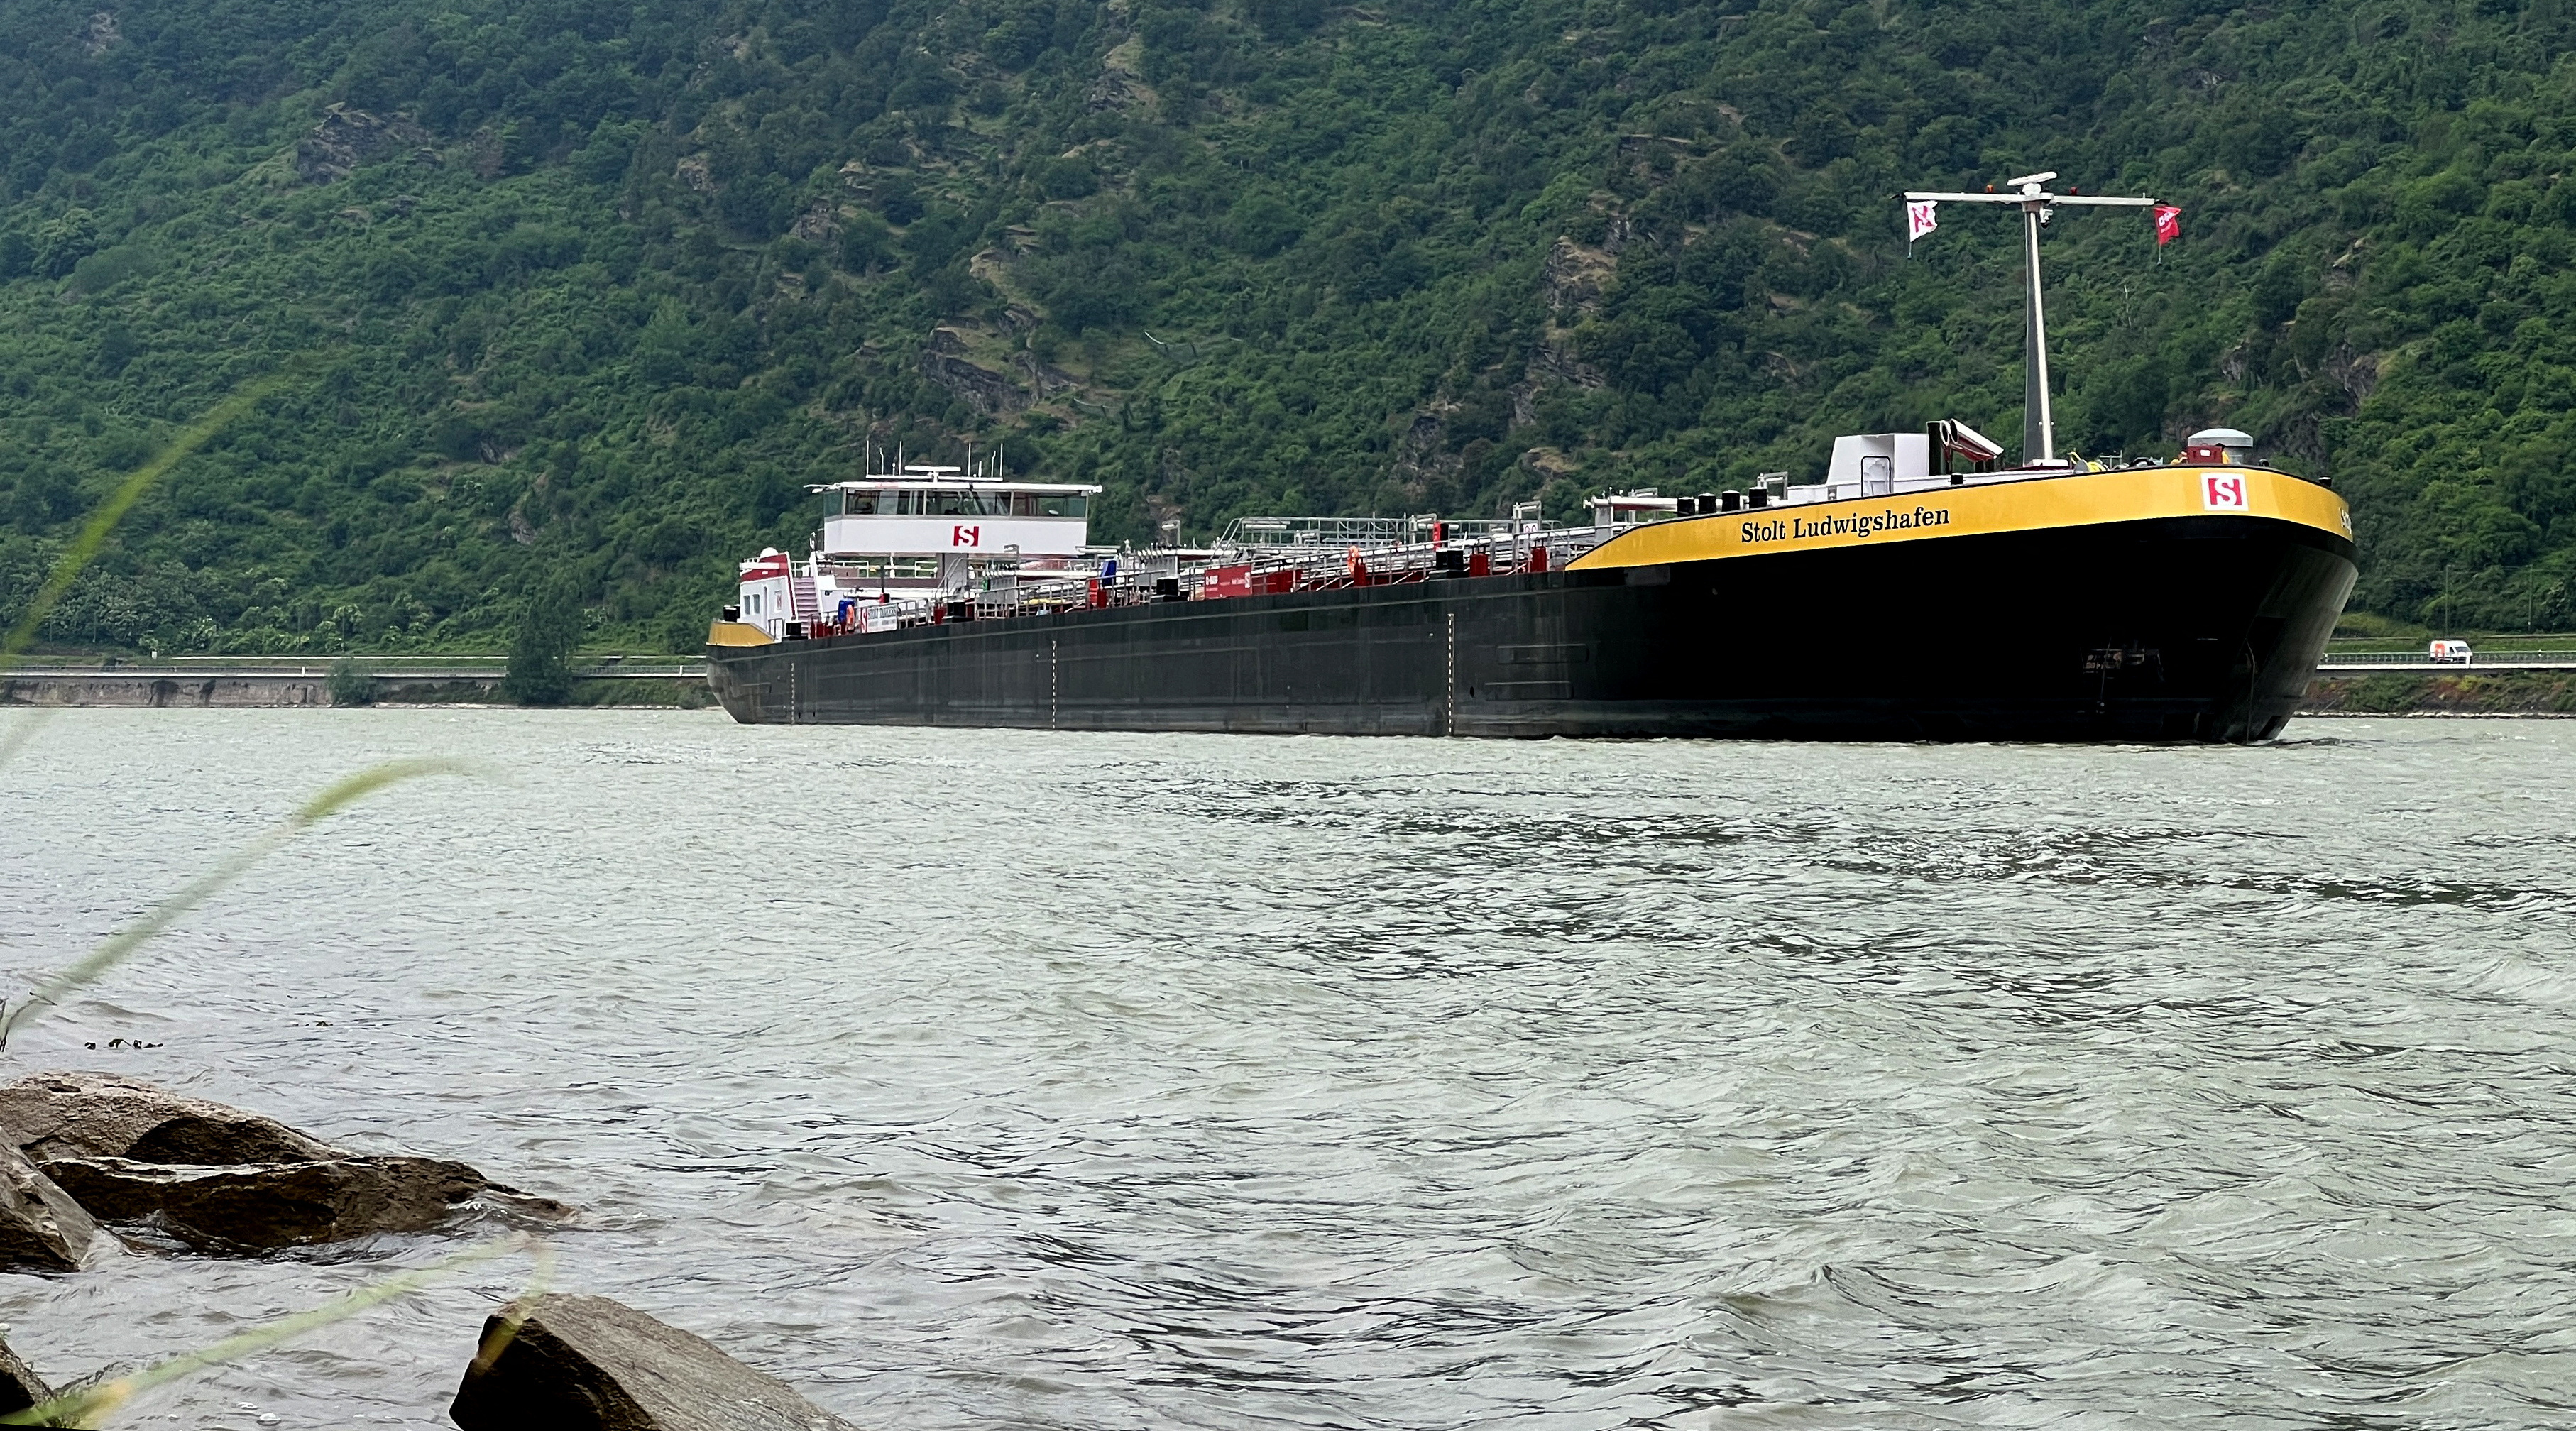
x,y
737,633
2129,494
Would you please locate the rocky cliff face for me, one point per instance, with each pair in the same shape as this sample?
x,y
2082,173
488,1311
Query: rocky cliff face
x,y
347,138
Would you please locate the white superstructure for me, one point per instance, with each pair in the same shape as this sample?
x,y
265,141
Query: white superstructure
x,y
921,532
933,511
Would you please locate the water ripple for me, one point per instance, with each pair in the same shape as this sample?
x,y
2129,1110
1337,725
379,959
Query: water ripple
x,y
971,1078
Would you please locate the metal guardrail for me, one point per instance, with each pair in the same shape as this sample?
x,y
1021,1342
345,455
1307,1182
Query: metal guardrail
x,y
2350,661
202,668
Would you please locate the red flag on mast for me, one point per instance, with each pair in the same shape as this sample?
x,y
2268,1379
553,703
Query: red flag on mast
x,y
2168,224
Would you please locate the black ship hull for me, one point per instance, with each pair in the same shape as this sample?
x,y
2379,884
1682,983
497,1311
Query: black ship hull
x,y
2177,628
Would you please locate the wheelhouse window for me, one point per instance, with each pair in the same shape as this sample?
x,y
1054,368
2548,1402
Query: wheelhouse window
x,y
1049,504
871,502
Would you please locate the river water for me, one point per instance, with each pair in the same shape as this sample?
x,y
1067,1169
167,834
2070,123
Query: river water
x,y
971,1079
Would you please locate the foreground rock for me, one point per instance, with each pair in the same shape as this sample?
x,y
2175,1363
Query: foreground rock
x,y
19,1387
270,1204
215,1177
590,1364
108,1115
41,1226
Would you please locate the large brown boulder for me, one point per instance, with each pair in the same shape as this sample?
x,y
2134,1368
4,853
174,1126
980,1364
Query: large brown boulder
x,y
215,1177
108,1115
41,1227
567,1363
270,1204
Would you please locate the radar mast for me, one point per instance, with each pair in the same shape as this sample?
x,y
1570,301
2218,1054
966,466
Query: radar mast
x,y
2030,192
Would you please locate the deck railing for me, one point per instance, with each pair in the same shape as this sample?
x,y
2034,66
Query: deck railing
x,y
1333,559
1339,534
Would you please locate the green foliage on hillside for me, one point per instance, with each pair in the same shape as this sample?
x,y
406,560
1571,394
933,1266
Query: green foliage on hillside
x,y
589,290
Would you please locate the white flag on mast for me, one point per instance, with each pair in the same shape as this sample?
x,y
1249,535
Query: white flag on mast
x,y
1919,219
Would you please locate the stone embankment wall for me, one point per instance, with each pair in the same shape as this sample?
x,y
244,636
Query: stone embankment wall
x,y
244,692
2446,693
220,692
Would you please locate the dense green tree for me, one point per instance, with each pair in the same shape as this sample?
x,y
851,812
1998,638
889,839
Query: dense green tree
x,y
611,283
352,684
542,641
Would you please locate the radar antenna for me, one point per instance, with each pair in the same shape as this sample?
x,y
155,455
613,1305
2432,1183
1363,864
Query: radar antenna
x,y
2030,191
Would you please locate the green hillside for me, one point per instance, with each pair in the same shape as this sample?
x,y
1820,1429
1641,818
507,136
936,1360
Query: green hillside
x,y
584,291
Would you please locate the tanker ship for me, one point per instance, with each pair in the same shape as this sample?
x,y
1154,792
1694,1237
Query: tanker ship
x,y
1918,588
